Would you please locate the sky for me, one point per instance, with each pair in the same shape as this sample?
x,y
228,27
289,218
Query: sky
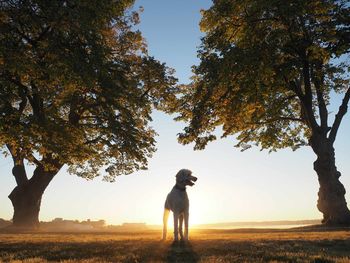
x,y
232,185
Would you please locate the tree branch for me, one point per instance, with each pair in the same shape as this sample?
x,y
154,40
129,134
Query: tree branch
x,y
305,104
18,169
12,152
73,116
307,83
50,162
281,118
93,141
37,103
146,92
32,158
307,100
321,104
295,87
343,108
23,88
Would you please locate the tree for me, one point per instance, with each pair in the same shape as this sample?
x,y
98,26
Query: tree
x,y
76,88
267,71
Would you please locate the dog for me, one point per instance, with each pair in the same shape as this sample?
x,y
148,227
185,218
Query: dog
x,y
177,202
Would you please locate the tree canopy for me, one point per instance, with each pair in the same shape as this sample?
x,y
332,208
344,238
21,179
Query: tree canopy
x,y
77,86
267,71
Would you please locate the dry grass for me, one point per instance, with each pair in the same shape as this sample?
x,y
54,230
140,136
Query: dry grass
x,y
205,246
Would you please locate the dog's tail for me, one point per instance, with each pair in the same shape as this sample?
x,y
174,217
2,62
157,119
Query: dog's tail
x,y
165,222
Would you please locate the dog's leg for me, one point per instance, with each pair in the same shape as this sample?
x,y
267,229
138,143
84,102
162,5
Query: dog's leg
x,y
181,221
165,222
176,226
186,216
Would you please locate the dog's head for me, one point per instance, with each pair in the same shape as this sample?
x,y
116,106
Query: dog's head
x,y
184,177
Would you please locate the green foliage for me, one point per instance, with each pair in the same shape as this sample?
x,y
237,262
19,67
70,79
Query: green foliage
x,y
267,69
77,86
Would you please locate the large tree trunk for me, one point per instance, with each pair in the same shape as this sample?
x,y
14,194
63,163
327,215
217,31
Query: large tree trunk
x,y
26,199
331,195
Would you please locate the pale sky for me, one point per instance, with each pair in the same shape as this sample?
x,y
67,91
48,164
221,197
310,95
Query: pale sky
x,y
232,185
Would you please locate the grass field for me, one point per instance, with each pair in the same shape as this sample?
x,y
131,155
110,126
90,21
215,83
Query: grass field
x,y
251,245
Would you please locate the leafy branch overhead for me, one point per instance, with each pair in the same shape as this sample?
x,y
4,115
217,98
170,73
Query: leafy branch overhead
x,y
77,86
267,71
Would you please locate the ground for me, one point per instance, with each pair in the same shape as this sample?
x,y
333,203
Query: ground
x,y
250,245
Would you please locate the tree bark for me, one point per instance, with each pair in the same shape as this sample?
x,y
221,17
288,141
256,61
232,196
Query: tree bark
x,y
331,196
26,199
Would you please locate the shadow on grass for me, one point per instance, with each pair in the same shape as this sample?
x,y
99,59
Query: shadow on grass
x,y
108,251
143,250
181,252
